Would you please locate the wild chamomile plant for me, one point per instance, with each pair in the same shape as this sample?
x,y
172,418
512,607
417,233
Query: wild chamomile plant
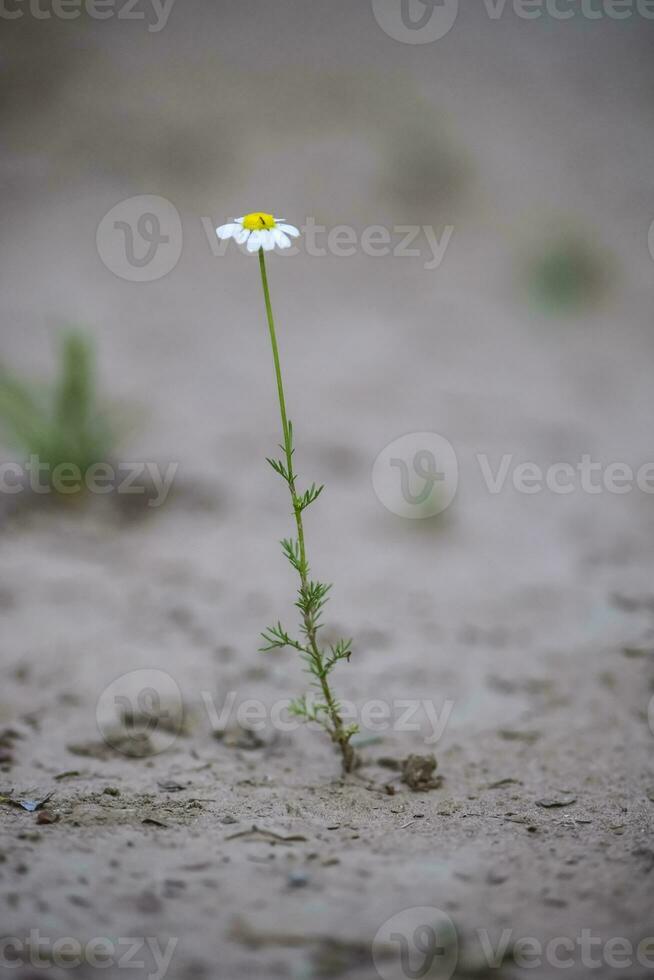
x,y
260,232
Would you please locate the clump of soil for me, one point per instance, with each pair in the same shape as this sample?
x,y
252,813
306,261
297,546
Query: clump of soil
x,y
418,772
134,746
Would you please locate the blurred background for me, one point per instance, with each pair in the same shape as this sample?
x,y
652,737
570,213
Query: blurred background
x,y
525,146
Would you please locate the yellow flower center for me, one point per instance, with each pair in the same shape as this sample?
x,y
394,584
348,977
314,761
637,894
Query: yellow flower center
x,y
258,221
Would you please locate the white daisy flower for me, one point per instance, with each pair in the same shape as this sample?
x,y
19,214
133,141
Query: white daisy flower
x,y
259,230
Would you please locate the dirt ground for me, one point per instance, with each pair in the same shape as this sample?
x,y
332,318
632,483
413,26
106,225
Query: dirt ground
x,y
526,621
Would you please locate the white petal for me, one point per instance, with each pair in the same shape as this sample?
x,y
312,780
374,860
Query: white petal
x,y
289,229
228,231
280,238
254,242
242,236
267,240
240,220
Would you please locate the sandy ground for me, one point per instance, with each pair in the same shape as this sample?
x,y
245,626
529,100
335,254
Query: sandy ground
x,y
527,621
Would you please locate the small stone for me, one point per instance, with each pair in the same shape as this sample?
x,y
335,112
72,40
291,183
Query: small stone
x,y
134,745
173,887
298,879
554,801
149,903
80,901
46,817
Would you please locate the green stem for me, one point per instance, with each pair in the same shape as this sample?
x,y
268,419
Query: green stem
x,y
337,732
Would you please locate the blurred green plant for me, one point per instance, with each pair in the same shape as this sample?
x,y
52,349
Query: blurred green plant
x,y
426,172
63,422
567,275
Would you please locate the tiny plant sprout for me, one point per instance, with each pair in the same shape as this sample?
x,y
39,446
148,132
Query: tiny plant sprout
x,y
260,233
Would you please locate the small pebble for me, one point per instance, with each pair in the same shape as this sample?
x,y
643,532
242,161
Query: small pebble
x,y
496,878
550,802
46,816
298,879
